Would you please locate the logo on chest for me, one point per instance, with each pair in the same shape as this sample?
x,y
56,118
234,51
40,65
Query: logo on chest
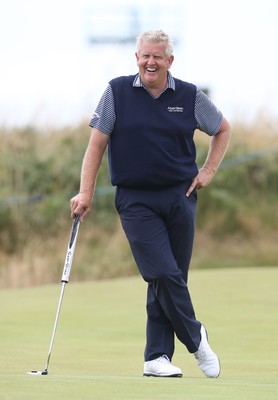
x,y
175,109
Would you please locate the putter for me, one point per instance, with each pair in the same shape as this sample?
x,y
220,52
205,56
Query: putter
x,y
64,280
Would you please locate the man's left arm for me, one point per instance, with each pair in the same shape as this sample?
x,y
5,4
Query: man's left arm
x,y
217,149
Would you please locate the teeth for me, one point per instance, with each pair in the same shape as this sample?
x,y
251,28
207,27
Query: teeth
x,y
151,69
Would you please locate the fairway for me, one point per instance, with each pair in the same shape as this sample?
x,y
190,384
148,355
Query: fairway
x,y
99,344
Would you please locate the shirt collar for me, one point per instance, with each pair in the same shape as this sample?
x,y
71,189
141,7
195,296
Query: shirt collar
x,y
170,82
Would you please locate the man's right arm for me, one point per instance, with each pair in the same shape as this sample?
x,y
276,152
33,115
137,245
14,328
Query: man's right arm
x,y
81,203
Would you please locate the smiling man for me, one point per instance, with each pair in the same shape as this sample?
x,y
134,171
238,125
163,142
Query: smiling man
x,y
148,121
153,63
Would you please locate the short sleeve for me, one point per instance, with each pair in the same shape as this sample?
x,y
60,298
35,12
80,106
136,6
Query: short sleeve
x,y
208,117
104,116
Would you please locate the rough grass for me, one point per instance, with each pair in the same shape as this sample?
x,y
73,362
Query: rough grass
x,y
40,171
98,350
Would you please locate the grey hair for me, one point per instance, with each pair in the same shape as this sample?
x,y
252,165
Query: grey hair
x,y
156,36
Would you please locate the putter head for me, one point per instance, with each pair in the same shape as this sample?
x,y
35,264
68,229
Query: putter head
x,y
45,372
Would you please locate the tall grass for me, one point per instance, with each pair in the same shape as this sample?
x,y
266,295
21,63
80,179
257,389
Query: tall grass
x,y
40,171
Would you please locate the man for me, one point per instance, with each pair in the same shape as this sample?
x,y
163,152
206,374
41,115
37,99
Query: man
x,y
148,122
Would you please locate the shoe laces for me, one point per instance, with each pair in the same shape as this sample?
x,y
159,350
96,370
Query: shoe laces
x,y
200,355
163,359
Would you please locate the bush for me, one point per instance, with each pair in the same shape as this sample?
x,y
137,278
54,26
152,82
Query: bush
x,y
40,172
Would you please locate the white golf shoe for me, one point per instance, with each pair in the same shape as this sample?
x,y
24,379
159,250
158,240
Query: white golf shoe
x,y
206,358
161,367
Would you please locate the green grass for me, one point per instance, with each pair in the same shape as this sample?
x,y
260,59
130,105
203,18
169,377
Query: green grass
x,y
98,349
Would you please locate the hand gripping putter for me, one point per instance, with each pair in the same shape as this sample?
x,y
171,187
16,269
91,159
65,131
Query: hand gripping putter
x,y
64,280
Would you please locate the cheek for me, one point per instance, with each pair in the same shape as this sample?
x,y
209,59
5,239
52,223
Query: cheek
x,y
140,64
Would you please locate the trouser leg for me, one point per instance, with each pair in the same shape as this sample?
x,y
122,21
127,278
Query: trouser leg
x,y
159,329
154,223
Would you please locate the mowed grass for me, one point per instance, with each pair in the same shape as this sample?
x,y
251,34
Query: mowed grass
x,y
98,349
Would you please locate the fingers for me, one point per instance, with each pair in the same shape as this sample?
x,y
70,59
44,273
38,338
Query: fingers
x,y
200,181
81,214
193,186
78,207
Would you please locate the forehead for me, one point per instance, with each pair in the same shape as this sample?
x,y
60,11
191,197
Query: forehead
x,y
153,48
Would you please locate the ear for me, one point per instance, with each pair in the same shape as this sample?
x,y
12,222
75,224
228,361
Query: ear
x,y
170,61
137,56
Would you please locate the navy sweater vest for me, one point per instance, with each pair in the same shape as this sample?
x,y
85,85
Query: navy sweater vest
x,y
152,141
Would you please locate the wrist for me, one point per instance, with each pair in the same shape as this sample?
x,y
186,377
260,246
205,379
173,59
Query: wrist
x,y
86,192
210,170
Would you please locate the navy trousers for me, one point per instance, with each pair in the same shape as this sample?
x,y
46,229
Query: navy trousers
x,y
160,225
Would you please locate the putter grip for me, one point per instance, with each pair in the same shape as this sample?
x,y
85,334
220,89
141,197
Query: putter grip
x,y
70,250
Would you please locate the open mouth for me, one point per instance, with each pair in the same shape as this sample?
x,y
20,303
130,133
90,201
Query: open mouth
x,y
151,69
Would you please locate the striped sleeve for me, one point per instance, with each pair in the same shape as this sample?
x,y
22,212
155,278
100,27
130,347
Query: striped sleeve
x,y
209,118
104,116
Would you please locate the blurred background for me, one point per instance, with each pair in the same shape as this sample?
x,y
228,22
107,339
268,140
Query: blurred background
x,y
57,57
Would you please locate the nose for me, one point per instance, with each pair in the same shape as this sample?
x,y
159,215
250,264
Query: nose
x,y
151,60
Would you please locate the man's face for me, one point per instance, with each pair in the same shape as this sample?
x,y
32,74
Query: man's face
x,y
153,64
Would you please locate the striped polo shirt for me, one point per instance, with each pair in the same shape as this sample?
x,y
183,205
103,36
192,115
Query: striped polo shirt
x,y
208,117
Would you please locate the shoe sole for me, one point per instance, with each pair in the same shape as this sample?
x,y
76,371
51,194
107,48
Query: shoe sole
x,y
162,376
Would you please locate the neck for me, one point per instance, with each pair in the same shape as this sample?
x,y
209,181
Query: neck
x,y
155,89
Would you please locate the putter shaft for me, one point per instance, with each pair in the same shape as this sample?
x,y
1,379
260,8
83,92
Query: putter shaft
x,y
64,280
